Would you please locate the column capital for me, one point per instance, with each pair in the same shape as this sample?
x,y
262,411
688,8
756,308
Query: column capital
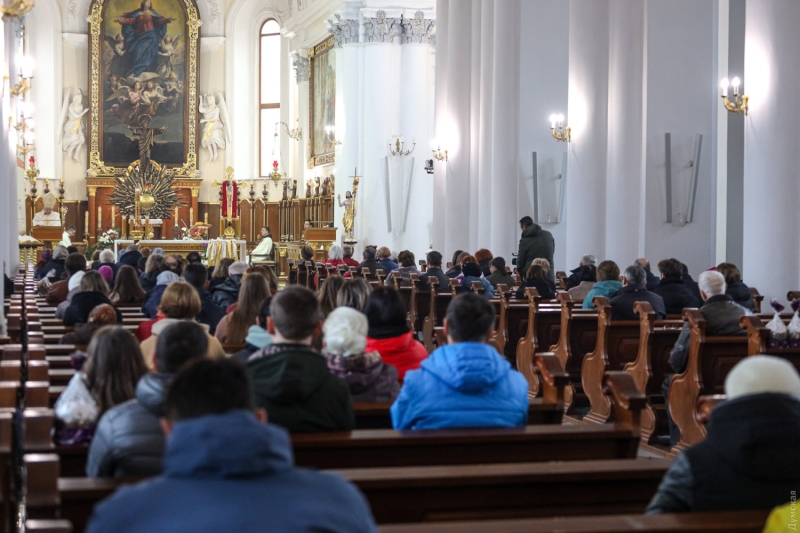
x,y
418,29
345,31
301,64
92,190
381,29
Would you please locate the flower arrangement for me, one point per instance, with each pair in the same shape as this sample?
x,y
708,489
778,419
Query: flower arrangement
x,y
107,238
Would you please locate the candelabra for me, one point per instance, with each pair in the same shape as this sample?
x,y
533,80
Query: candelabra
x,y
439,154
398,147
562,134
739,103
295,134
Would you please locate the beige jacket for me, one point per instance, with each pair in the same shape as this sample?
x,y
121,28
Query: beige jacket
x,y
148,345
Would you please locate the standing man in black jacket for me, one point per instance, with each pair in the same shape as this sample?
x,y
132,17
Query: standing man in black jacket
x,y
196,275
535,242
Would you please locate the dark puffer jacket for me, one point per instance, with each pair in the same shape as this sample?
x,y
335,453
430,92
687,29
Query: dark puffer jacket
x,y
367,376
582,273
536,242
622,303
227,293
676,295
749,460
82,304
129,441
741,294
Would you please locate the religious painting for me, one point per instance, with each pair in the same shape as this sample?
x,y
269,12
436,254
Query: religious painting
x,y
322,102
143,70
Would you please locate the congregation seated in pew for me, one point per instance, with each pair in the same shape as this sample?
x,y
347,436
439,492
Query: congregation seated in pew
x,y
723,315
369,378
735,287
750,458
497,273
407,266
225,469
129,441
94,291
150,306
227,293
233,327
152,269
607,284
465,383
536,278
370,261
633,290
354,293
582,279
127,289
257,335
101,316
434,264
471,271
196,275
290,379
59,290
672,289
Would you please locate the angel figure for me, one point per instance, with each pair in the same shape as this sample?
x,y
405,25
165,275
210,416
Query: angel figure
x,y
72,134
215,132
167,48
152,96
117,45
127,100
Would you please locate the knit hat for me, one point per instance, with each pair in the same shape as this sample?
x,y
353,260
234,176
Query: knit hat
x,y
471,269
103,314
75,280
166,277
237,268
158,250
106,272
762,373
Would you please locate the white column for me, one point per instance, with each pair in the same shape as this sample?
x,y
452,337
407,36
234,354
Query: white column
x,y
299,116
771,187
347,130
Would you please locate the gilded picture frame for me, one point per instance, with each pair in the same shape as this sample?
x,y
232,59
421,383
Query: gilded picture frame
x,y
98,83
321,102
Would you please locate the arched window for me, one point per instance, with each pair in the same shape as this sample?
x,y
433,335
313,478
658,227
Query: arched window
x,y
269,94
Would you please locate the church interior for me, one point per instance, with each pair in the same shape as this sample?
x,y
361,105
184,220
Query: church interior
x,y
537,227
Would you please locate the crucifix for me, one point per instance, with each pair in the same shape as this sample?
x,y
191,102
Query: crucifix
x,y
145,135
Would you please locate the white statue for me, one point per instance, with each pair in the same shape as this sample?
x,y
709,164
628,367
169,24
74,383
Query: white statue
x,y
73,134
214,132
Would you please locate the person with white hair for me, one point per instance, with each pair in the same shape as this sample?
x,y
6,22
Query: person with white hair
x,y
750,458
107,259
723,316
582,278
367,376
335,258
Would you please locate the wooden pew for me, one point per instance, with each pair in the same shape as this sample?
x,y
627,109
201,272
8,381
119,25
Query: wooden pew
x,y
757,299
656,340
578,336
727,521
758,341
617,344
710,360
514,326
439,300
544,327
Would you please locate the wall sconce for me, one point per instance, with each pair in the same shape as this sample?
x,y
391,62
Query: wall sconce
x,y
562,134
295,134
739,103
438,153
398,147
330,132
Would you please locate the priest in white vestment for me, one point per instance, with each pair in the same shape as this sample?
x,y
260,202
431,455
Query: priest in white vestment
x,y
47,217
264,249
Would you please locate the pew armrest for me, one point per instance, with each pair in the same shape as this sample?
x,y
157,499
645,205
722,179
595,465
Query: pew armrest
x,y
627,401
554,379
706,404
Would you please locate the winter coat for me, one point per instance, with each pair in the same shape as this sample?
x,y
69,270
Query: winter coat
x,y
54,270
676,295
453,272
402,351
462,385
150,306
388,265
130,258
367,376
485,268
61,309
435,272
405,276
536,242
57,293
228,292
750,459
82,304
129,441
741,294
579,292
148,281
501,277
373,267
210,313
541,285
652,280
580,274
229,472
608,288
723,316
622,303
113,266
292,382
693,286
466,285
257,338
148,346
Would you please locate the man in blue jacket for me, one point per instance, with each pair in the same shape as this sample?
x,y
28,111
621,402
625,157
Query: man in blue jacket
x,y
226,470
465,383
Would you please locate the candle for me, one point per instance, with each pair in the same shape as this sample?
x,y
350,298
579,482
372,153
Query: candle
x,y
86,224
191,215
724,87
176,215
100,219
124,226
205,218
113,217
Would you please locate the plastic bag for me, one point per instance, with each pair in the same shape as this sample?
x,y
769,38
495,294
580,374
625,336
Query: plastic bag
x,y
794,326
76,406
779,335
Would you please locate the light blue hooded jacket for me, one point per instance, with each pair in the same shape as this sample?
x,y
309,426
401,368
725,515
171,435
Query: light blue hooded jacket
x,y
462,385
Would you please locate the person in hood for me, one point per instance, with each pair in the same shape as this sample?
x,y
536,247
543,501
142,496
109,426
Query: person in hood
x,y
677,296
164,279
129,441
179,304
367,376
583,278
535,242
750,458
227,292
196,275
93,292
388,332
227,470
465,383
608,283
735,286
257,336
290,379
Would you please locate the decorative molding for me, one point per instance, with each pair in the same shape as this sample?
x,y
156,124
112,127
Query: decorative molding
x,y
418,30
345,31
381,29
211,44
301,64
